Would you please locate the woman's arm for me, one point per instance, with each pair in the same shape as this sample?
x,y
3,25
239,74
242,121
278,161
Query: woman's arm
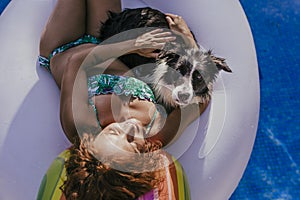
x,y
75,110
143,45
74,107
177,121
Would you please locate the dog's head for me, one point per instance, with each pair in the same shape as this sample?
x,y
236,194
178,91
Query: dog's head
x,y
181,76
186,76
138,21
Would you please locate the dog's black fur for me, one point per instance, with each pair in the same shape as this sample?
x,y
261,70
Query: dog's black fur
x,y
130,19
200,68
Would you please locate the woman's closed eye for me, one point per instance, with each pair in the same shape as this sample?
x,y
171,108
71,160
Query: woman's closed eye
x,y
113,132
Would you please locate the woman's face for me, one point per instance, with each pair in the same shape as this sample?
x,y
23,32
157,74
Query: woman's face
x,y
119,140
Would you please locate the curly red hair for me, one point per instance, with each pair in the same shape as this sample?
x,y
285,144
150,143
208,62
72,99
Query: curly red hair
x,y
88,178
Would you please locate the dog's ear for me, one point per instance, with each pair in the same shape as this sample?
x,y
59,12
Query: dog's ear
x,y
220,62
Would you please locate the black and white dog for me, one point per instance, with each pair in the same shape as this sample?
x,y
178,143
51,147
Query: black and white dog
x,y
185,77
180,75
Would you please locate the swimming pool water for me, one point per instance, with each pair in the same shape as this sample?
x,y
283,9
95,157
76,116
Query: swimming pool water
x,y
3,4
273,171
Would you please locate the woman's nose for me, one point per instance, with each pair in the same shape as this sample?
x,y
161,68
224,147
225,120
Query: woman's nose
x,y
135,133
135,130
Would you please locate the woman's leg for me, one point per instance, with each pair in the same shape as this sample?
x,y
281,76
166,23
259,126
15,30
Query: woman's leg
x,y
97,12
66,23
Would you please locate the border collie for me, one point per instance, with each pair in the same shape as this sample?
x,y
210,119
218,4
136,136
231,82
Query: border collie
x,y
180,75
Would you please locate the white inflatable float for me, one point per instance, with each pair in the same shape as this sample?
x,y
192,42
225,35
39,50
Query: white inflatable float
x,y
214,150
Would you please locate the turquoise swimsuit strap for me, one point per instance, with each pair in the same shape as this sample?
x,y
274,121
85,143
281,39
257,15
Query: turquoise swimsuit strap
x,y
45,62
84,39
151,122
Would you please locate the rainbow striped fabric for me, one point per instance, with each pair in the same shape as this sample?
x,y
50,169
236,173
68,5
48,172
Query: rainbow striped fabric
x,y
56,174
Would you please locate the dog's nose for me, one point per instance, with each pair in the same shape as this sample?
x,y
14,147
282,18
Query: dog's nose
x,y
183,96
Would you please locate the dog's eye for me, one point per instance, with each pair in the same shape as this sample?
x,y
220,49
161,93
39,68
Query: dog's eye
x,y
197,76
199,85
184,67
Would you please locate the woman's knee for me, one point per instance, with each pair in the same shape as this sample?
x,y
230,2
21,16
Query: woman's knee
x,y
44,48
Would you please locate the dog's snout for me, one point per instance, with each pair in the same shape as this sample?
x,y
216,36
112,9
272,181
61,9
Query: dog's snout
x,y
183,96
179,81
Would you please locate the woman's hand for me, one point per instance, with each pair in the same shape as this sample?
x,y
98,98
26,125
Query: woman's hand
x,y
178,25
147,43
144,45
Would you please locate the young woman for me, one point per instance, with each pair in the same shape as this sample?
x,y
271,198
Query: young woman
x,y
107,116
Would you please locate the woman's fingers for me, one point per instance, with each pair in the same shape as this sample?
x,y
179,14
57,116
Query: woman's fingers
x,y
176,22
174,18
163,39
158,45
162,34
172,15
158,30
170,21
154,38
147,43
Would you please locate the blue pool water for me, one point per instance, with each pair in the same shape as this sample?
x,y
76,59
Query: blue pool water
x,y
273,171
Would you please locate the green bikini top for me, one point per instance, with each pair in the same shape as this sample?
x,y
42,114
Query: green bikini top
x,y
120,85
